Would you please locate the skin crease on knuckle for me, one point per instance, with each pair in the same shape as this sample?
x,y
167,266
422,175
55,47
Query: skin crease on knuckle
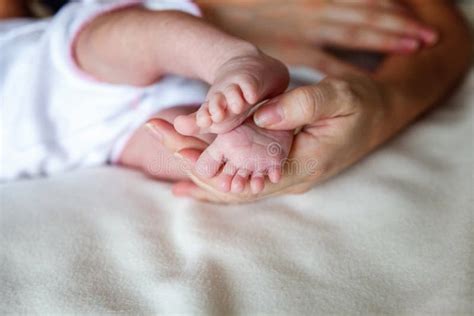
x,y
343,91
305,104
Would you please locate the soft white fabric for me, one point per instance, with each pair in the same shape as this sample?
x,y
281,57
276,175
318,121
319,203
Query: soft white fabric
x,y
392,235
56,118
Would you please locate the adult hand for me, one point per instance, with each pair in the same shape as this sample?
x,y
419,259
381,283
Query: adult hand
x,y
345,118
341,120
292,30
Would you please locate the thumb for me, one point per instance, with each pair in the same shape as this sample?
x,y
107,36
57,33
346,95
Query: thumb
x,y
298,107
165,133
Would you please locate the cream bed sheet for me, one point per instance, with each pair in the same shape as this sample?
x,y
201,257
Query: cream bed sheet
x,y
392,235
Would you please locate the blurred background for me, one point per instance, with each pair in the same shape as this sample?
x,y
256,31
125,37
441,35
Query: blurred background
x,y
48,7
42,8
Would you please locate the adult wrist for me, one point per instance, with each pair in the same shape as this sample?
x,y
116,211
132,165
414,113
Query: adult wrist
x,y
375,103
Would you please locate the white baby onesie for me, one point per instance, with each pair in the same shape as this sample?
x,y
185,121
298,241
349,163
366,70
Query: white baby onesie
x,y
56,118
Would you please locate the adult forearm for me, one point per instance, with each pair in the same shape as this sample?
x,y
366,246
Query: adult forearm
x,y
414,83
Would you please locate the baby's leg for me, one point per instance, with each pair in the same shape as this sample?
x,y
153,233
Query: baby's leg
x,y
144,152
137,46
170,42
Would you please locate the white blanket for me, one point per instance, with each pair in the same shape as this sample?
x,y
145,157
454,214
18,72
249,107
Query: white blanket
x,y
393,235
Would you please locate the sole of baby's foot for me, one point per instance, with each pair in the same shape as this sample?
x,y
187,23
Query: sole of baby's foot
x,y
240,83
244,157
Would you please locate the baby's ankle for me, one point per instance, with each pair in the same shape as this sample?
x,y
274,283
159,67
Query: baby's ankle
x,y
239,49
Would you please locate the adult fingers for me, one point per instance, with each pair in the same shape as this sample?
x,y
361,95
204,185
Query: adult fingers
x,y
189,189
388,4
383,21
362,38
306,105
192,190
165,133
383,15
197,191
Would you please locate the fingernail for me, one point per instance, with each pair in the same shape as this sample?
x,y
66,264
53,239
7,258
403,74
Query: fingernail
x,y
429,36
153,131
268,115
409,44
178,155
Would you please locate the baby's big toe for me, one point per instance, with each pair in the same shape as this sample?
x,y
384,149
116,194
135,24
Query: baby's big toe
x,y
217,107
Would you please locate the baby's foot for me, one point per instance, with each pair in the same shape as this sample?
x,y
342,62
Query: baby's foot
x,y
240,83
245,155
148,148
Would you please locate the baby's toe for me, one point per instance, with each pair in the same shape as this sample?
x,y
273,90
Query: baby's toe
x,y
209,163
224,179
239,181
250,87
235,99
257,183
203,117
274,174
217,107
